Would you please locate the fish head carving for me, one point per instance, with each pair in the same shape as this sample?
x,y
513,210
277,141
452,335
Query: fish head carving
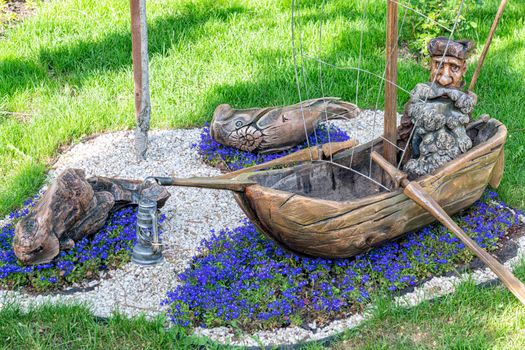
x,y
236,127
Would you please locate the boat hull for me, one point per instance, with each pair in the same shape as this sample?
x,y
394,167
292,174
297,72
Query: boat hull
x,y
340,229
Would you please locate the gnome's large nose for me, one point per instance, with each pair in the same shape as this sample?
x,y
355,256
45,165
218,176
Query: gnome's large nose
x,y
444,78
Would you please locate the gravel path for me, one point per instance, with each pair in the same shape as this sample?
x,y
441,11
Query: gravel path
x,y
190,214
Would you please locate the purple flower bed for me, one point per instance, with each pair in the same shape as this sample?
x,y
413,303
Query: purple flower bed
x,y
109,248
244,280
214,153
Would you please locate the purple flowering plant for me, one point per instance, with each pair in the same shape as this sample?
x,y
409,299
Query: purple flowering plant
x,y
232,158
242,279
107,249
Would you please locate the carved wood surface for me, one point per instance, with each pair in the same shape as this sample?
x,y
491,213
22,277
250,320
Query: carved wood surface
x,y
339,229
415,192
139,45
73,208
275,129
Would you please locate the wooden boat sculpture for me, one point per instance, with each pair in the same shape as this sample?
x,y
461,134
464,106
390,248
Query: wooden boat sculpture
x,y
322,209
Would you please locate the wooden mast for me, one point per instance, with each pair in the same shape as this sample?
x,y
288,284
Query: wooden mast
x,y
139,44
390,116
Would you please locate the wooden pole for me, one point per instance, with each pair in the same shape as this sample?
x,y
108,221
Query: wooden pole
x,y
390,116
487,44
415,192
139,43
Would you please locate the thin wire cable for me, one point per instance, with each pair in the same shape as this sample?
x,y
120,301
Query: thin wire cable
x,y
360,52
297,79
388,59
304,122
382,78
421,14
358,75
321,80
301,51
456,22
381,136
358,69
355,171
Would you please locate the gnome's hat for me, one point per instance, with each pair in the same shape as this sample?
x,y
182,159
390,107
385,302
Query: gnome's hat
x,y
455,48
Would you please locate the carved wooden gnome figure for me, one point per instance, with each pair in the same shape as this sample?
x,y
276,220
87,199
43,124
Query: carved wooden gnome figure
x,y
438,110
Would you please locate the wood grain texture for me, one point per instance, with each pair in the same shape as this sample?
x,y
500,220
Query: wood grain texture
x,y
390,116
273,129
337,229
497,172
139,45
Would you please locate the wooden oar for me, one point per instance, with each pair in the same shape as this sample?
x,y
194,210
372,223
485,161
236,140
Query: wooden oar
x,y
310,153
415,192
228,181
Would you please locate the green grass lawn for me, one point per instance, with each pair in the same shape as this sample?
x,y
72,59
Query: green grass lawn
x,y
65,71
472,318
74,327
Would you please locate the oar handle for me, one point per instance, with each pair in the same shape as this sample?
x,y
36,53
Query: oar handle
x,y
326,151
415,192
205,182
399,177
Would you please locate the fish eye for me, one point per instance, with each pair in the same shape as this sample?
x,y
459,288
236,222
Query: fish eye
x,y
238,123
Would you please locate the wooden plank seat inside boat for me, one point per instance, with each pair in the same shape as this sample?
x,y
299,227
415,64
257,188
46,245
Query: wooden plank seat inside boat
x,y
321,209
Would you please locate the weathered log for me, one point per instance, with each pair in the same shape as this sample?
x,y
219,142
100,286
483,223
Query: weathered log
x,y
37,235
74,208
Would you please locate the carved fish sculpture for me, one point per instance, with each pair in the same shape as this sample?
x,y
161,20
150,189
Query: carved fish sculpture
x,y
275,128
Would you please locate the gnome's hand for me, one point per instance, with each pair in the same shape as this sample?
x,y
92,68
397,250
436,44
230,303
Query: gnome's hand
x,y
453,94
467,102
464,143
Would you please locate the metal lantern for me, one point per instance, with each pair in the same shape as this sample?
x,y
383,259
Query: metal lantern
x,y
147,250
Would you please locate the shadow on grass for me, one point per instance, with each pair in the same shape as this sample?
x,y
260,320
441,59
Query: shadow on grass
x,y
85,58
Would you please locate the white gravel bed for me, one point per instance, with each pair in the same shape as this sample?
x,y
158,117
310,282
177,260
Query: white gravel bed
x,y
190,215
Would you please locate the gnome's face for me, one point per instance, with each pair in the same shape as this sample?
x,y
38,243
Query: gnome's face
x,y
448,71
